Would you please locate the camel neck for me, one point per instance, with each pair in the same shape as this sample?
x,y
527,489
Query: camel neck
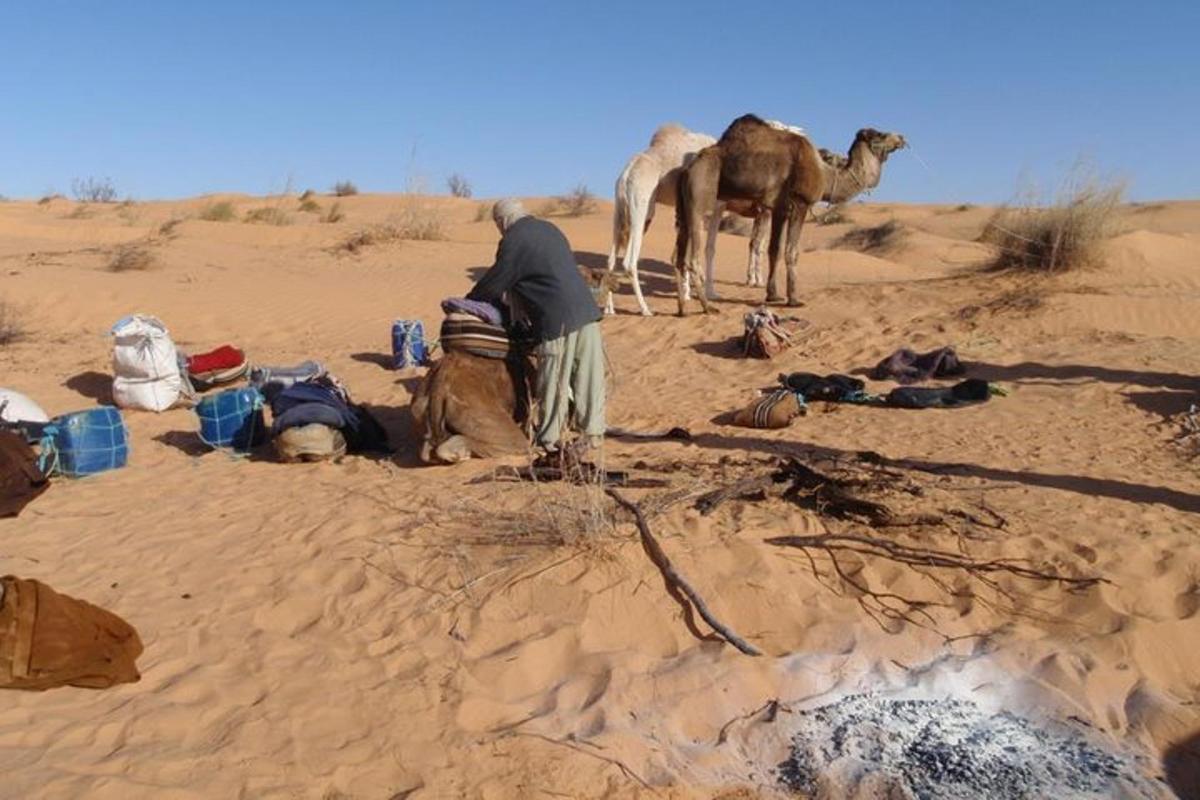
x,y
861,174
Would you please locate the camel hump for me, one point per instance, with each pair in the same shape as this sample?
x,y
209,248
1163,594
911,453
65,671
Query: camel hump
x,y
742,125
664,134
781,126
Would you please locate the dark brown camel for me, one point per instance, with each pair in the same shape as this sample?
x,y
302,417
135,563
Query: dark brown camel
x,y
472,406
777,170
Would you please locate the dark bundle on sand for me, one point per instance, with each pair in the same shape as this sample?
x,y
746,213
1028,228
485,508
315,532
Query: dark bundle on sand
x,y
907,366
946,749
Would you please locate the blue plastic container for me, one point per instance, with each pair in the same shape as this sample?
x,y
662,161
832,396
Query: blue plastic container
x,y
232,419
84,443
408,343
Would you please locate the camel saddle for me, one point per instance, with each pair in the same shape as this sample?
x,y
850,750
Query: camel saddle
x,y
767,334
48,640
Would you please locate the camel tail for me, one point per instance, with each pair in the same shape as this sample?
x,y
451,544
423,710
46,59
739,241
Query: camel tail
x,y
620,220
681,219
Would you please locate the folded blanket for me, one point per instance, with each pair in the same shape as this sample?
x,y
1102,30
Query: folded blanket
x,y
223,359
467,332
325,401
965,393
834,388
273,380
476,308
906,366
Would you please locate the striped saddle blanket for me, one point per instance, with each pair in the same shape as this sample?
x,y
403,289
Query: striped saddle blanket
x,y
468,332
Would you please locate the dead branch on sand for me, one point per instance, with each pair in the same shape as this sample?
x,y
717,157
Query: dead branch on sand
x,y
676,583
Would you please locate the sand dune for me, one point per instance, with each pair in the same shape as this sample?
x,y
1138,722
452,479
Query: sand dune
x,y
376,629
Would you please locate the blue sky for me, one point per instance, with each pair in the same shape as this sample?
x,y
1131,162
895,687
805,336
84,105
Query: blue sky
x,y
173,99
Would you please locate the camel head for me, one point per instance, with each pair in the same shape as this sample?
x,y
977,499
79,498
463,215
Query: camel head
x,y
881,143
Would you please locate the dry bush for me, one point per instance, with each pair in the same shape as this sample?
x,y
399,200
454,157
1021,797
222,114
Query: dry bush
x,y
308,195
267,215
218,212
12,325
577,202
132,258
93,190
81,211
167,229
344,189
49,198
419,222
483,212
963,207
333,214
877,237
309,205
370,237
1065,235
458,185
834,215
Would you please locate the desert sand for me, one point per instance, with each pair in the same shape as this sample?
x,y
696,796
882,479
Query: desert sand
x,y
382,629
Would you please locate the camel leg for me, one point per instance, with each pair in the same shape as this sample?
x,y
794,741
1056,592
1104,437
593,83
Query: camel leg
x,y
795,225
758,243
631,266
778,220
710,253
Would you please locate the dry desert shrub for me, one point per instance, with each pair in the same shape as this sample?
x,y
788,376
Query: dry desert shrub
x,y
344,189
132,258
875,238
307,204
267,215
834,215
93,190
458,185
483,212
167,229
218,212
577,202
370,237
308,195
12,326
419,222
81,211
1064,235
333,214
47,199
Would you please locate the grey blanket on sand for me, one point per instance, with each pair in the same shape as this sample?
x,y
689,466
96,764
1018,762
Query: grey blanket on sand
x,y
907,366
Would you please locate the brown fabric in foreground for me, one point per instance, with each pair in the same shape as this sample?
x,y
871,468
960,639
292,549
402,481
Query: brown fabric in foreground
x,y
48,640
20,479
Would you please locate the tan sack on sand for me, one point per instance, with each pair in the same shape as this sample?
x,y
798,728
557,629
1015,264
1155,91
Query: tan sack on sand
x,y
775,410
48,639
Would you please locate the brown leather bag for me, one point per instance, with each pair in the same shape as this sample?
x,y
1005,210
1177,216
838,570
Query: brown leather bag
x,y
48,639
20,479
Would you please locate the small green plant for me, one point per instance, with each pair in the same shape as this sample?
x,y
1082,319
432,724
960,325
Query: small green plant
x,y
309,205
267,215
132,258
218,212
458,185
344,189
333,214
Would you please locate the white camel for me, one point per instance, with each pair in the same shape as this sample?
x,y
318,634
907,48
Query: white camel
x,y
650,177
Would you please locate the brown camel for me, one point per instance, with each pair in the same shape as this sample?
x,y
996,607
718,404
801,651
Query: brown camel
x,y
469,405
779,171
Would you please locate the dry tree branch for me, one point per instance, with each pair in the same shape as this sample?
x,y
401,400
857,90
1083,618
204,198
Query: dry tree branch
x,y
675,580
